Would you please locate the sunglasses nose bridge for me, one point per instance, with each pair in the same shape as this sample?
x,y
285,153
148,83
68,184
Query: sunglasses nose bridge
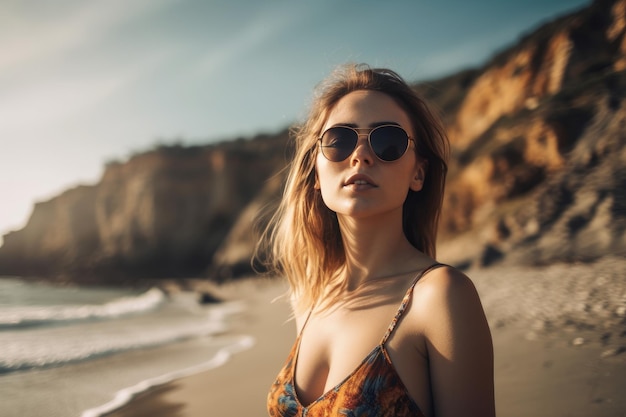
x,y
362,145
360,135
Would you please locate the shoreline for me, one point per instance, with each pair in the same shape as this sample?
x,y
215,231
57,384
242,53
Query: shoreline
x,y
125,395
240,385
559,335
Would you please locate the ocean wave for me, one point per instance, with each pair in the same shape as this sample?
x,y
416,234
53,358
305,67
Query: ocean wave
x,y
56,346
13,317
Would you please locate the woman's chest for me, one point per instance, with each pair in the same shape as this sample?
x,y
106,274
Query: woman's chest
x,y
333,347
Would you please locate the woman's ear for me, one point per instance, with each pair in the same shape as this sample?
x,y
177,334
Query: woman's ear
x,y
417,182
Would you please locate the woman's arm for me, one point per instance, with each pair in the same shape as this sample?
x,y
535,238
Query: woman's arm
x,y
459,346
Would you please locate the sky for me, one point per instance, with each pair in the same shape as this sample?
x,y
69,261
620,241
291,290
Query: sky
x,y
83,83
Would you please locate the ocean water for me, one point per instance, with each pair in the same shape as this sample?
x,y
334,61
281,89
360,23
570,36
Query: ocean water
x,y
86,351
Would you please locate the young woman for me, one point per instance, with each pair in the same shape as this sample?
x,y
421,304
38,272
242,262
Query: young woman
x,y
383,329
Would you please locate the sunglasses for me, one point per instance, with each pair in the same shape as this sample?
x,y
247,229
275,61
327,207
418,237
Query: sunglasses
x,y
387,142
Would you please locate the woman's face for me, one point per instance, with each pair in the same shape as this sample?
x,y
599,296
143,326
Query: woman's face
x,y
362,185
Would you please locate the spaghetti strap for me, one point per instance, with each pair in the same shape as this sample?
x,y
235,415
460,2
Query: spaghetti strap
x,y
406,299
305,322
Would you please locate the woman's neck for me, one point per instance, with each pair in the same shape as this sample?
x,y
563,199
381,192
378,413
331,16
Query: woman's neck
x,y
377,248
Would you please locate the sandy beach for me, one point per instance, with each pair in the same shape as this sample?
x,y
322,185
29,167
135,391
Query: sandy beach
x,y
559,337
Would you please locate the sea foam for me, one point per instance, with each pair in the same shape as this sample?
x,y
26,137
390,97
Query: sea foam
x,y
34,315
46,346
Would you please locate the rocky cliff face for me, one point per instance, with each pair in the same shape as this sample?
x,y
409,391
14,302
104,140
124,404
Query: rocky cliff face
x,y
161,213
536,174
539,140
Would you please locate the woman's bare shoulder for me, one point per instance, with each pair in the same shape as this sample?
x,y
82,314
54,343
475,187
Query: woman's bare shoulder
x,y
445,293
446,281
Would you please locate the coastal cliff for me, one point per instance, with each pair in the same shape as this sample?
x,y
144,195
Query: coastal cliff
x,y
536,174
539,142
161,213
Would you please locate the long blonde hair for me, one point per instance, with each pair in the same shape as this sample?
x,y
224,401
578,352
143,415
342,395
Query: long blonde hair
x,y
303,240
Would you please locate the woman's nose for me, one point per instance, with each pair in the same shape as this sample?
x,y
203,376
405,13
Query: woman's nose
x,y
362,153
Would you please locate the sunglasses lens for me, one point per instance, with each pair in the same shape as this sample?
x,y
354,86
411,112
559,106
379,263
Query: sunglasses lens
x,y
338,143
389,142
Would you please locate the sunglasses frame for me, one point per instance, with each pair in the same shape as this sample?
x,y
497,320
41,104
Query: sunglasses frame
x,y
369,140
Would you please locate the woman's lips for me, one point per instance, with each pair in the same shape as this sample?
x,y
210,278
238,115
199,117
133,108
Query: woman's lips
x,y
359,181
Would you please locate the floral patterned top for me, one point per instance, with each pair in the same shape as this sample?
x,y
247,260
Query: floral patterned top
x,y
373,389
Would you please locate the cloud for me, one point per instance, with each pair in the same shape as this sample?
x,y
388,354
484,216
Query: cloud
x,y
52,101
264,27
44,81
28,36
